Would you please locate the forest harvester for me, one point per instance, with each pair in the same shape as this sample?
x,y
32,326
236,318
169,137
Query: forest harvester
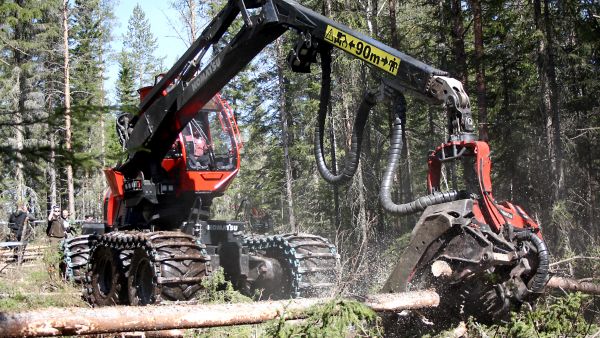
x,y
158,241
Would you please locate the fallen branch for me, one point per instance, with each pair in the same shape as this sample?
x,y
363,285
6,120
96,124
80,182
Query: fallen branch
x,y
78,321
569,284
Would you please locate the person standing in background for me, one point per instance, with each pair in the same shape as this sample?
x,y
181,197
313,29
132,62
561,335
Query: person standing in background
x,y
16,220
66,223
55,229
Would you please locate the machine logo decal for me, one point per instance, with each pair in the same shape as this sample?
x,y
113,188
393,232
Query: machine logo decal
x,y
222,227
363,50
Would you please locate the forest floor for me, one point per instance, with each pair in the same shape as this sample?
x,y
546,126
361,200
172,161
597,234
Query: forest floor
x,y
36,284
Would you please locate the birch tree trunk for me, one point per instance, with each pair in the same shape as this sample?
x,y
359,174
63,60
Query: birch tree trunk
x,y
19,135
192,16
187,10
52,171
19,61
554,128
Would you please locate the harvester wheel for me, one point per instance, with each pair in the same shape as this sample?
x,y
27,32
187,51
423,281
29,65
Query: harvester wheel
x,y
169,266
105,278
141,283
182,277
76,253
308,265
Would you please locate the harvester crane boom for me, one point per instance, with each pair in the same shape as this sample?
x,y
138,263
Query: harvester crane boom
x,y
189,85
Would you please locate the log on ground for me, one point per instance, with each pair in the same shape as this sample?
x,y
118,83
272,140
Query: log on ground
x,y
78,321
569,284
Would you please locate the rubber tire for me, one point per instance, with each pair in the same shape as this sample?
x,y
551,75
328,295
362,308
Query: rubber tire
x,y
280,288
105,278
181,268
318,277
80,252
141,282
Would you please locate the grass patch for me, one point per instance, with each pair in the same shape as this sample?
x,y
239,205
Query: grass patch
x,y
38,286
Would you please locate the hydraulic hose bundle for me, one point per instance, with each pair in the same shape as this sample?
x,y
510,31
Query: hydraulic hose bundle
x,y
385,193
539,280
353,156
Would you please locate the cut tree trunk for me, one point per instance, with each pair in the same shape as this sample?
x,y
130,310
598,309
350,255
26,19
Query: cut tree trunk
x,y
80,321
568,284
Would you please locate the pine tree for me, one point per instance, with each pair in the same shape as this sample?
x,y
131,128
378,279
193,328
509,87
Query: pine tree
x,y
89,38
125,87
141,46
28,35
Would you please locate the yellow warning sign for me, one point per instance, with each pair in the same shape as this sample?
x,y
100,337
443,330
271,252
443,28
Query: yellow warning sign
x,y
363,50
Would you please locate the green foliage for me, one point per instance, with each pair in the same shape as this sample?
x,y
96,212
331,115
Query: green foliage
x,y
28,34
562,217
559,317
126,91
229,332
400,244
219,290
337,318
113,151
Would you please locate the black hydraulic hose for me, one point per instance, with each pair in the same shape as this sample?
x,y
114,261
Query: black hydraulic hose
x,y
539,280
385,193
353,156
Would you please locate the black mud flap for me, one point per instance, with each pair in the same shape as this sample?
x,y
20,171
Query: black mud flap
x,y
433,223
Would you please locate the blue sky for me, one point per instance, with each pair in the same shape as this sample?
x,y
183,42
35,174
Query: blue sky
x,y
160,14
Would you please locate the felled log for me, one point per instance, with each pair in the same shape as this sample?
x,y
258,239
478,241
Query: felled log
x,y
79,321
394,302
569,284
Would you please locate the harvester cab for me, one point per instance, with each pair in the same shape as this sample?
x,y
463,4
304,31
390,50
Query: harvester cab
x,y
201,163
